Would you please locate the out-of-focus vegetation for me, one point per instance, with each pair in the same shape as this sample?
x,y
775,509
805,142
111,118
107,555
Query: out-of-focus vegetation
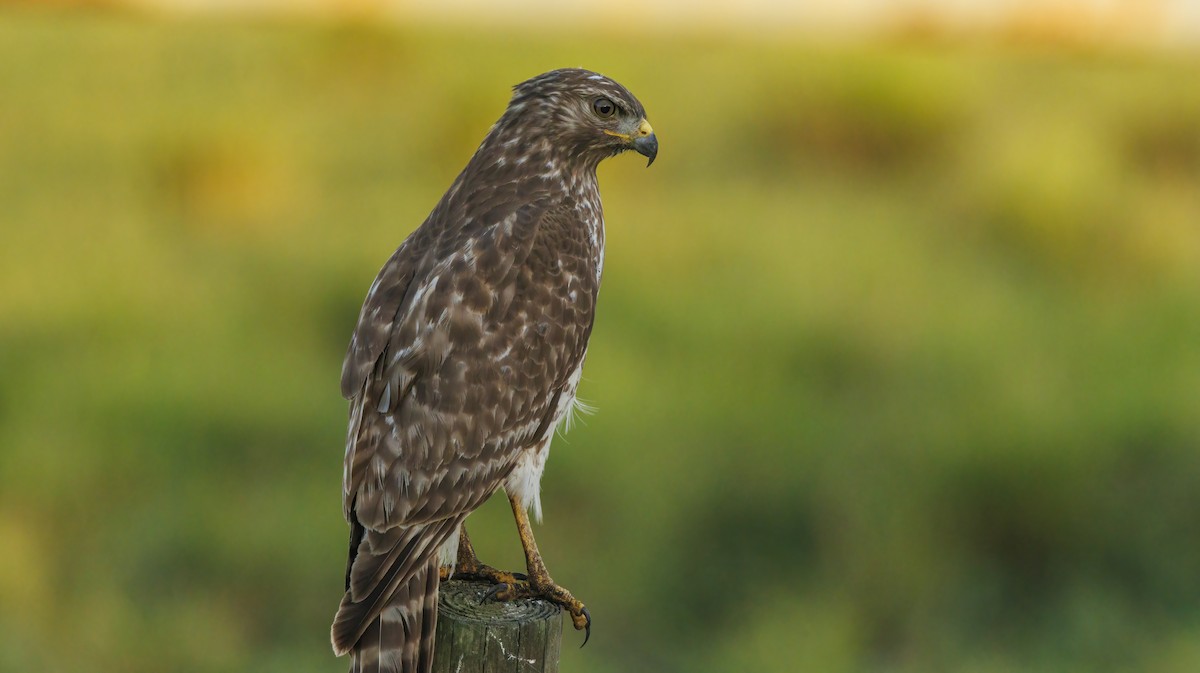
x,y
898,354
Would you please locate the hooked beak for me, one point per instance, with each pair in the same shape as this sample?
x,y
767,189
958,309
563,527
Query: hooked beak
x,y
645,142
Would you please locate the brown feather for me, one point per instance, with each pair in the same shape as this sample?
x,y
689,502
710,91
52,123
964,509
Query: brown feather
x,y
384,577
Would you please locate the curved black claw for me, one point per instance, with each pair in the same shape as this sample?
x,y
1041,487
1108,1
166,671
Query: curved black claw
x,y
491,593
587,628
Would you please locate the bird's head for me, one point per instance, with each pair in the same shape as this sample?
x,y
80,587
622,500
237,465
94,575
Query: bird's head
x,y
584,112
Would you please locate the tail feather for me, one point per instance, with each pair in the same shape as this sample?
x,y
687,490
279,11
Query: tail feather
x,y
429,612
400,639
390,627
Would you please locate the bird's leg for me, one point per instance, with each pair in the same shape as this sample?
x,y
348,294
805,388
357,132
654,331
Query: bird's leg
x,y
539,584
468,566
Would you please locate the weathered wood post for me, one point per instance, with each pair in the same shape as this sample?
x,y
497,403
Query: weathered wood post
x,y
473,636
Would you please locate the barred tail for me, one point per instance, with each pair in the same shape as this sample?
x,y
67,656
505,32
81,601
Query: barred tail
x,y
400,639
388,615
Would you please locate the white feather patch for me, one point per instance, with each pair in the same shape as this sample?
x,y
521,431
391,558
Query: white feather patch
x,y
525,481
576,409
448,553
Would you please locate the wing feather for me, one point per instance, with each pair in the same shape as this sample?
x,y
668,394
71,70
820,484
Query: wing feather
x,y
420,365
456,366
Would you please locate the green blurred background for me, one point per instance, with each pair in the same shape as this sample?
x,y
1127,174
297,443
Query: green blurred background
x,y
897,357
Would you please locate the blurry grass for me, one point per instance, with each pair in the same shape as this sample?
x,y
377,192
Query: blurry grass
x,y
898,355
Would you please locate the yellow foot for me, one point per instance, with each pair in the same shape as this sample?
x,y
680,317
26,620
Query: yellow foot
x,y
546,589
480,572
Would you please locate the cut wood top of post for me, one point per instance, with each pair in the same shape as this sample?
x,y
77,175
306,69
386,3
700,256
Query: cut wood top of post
x,y
464,601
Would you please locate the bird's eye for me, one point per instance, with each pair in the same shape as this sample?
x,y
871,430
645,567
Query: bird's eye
x,y
604,107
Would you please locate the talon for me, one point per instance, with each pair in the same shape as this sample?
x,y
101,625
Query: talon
x,y
488,574
587,626
491,594
538,584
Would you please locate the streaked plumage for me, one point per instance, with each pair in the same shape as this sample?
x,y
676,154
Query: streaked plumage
x,y
468,352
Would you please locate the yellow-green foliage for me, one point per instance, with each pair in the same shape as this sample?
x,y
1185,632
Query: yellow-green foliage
x,y
897,358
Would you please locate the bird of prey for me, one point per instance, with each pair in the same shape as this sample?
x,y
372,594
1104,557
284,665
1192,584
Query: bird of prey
x,y
465,359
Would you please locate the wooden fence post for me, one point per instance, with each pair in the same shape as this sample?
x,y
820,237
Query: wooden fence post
x,y
522,636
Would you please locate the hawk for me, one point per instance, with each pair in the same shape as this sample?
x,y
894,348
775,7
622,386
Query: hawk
x,y
465,359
